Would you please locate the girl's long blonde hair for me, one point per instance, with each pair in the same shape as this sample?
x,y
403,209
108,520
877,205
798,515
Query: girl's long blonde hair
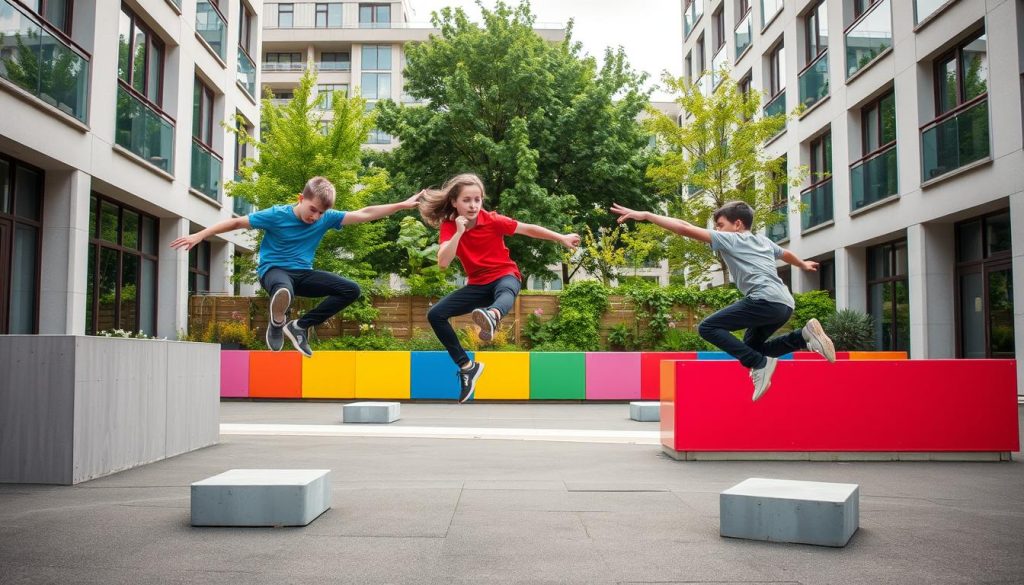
x,y
437,205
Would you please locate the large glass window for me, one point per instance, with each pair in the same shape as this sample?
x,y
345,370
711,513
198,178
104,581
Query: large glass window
x,y
140,58
374,15
335,61
199,268
376,57
376,86
122,281
888,296
285,15
21,197
777,70
327,91
961,75
985,287
816,31
328,15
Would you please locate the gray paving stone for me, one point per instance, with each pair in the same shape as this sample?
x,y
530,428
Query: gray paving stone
x,y
261,497
371,412
645,411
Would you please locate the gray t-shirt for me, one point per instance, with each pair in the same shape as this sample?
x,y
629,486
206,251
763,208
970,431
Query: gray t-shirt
x,y
751,261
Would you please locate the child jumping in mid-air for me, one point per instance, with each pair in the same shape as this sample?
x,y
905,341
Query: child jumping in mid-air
x,y
291,234
477,238
767,303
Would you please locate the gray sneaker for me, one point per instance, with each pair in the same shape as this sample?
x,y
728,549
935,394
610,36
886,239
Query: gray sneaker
x,y
299,337
762,377
279,304
484,319
817,341
275,336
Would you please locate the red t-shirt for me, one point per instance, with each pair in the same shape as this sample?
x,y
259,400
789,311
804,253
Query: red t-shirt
x,y
482,249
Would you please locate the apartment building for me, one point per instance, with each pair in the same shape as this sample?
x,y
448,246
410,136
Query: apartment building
x,y
111,147
912,130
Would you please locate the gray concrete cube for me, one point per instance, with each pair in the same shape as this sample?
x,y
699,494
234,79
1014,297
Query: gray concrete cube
x,y
645,411
371,412
781,510
261,497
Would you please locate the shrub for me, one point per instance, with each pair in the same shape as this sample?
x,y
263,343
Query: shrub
x,y
684,340
850,330
621,338
812,304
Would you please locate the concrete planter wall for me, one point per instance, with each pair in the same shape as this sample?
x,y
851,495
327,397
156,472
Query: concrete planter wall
x,y
74,408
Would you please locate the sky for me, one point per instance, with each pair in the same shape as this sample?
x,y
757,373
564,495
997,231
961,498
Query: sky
x,y
650,31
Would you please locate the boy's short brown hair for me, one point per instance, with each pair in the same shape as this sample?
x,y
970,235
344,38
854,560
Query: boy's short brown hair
x,y
319,189
734,210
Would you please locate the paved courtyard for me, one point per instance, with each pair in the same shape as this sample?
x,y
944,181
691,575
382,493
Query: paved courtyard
x,y
526,493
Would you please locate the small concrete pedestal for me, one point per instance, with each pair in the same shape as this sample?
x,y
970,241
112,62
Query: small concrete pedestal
x,y
371,412
645,411
780,510
261,497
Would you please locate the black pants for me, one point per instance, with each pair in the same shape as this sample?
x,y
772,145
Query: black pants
x,y
500,294
760,319
340,292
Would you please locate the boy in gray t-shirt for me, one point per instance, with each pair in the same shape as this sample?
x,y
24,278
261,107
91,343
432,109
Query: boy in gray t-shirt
x,y
766,305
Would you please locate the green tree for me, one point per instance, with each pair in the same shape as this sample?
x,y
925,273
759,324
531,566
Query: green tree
x,y
718,153
295,144
535,119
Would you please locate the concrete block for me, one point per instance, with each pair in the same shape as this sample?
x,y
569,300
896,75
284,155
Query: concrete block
x,y
371,412
261,497
645,411
781,510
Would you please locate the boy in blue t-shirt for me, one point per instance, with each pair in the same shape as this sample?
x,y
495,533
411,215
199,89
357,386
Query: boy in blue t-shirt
x,y
766,304
291,234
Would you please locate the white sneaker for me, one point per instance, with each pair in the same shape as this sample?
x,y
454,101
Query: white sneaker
x,y
817,341
762,377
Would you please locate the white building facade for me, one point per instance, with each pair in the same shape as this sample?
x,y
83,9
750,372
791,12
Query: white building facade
x,y
111,147
912,130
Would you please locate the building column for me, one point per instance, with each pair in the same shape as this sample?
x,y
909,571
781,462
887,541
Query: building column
x,y
172,278
1017,251
63,278
931,286
851,279
803,280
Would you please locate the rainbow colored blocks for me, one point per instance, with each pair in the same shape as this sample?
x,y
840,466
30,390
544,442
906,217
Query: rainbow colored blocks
x,y
382,374
434,376
329,374
558,376
234,374
275,374
613,376
506,375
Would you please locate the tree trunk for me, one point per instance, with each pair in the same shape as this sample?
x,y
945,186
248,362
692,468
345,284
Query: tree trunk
x,y
565,274
726,277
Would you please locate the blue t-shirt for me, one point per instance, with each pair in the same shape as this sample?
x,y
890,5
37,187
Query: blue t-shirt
x,y
289,242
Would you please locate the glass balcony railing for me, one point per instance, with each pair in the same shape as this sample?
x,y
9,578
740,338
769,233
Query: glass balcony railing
x,y
814,81
211,27
246,72
240,206
206,171
769,8
144,131
817,204
744,33
780,231
720,60
334,65
42,63
777,105
873,177
290,66
691,14
955,139
868,37
703,84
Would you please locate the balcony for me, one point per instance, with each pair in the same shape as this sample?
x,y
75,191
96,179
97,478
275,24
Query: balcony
x,y
780,231
295,66
744,33
144,130
955,139
206,170
334,65
703,84
777,105
43,62
874,177
691,14
816,203
240,206
868,37
211,27
246,72
813,81
719,61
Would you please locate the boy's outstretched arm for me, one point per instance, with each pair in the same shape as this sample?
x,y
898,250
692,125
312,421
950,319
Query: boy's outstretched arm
x,y
372,212
542,233
228,225
671,224
791,258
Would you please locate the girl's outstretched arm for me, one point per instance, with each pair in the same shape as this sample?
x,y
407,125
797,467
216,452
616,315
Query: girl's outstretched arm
x,y
676,226
542,233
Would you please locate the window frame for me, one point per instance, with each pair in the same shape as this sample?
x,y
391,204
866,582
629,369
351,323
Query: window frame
x,y
14,219
813,15
956,54
892,249
776,70
205,115
152,41
876,104
290,12
983,265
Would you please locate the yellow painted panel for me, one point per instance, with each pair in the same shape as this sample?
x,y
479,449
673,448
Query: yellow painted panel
x,y
383,374
506,375
329,374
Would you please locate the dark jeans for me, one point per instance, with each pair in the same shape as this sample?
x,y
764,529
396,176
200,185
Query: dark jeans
x,y
500,294
760,319
340,292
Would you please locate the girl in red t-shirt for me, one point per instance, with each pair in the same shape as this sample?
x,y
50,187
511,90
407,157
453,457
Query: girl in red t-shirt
x,y
477,237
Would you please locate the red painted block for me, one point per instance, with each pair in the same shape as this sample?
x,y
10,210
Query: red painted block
x,y
650,370
810,355
884,406
275,374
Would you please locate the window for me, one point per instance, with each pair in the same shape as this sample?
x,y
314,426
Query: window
x,y
821,157
376,57
700,55
285,15
56,13
925,8
327,91
335,61
984,276
328,15
21,213
688,67
777,70
245,20
862,6
284,62
874,176
961,75
780,201
207,165
817,198
692,11
374,15
202,113
888,296
199,268
742,8
816,31
140,58
745,84
827,276
122,275
786,276
378,136
376,86
769,9
878,123
718,29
